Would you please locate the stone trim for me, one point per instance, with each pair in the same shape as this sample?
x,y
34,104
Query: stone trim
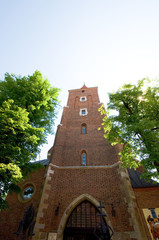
x,y
135,219
43,205
52,236
85,167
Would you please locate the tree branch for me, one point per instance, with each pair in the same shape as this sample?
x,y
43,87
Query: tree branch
x,y
127,107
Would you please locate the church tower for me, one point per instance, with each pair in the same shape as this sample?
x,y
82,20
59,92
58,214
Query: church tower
x,y
85,170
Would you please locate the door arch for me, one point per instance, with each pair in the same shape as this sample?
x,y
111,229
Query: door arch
x,y
82,222
72,206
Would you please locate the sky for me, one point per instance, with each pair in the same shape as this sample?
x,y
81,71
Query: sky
x,y
71,42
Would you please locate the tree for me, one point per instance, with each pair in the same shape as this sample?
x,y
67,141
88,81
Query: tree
x,y
133,122
28,107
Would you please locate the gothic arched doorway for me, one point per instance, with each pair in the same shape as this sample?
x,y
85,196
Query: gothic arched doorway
x,y
82,223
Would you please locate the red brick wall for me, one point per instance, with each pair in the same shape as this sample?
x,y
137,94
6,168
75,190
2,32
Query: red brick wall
x,y
70,141
9,218
102,184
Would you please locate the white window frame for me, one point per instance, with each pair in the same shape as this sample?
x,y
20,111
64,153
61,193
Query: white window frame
x,y
81,114
85,99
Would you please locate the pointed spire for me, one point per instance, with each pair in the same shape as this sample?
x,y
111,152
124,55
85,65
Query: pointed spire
x,y
84,86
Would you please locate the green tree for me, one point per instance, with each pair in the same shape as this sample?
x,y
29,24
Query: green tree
x,y
28,107
133,122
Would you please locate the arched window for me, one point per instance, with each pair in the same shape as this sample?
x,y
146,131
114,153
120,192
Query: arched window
x,y
83,128
84,158
83,221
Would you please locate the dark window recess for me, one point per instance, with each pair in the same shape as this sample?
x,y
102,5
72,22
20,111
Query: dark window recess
x,y
83,112
152,210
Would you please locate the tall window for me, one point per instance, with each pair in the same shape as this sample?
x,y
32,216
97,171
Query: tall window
x,y
153,213
83,128
84,158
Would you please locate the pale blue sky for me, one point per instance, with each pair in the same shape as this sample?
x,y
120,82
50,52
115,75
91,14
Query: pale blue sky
x,y
102,43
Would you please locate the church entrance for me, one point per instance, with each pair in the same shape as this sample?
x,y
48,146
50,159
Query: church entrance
x,y
83,222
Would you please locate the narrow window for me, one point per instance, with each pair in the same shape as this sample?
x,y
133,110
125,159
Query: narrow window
x,y
153,213
84,158
83,128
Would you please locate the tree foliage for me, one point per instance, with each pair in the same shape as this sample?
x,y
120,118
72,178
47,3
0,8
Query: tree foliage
x,y
28,107
133,122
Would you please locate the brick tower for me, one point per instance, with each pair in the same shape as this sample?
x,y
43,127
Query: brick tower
x,y
85,169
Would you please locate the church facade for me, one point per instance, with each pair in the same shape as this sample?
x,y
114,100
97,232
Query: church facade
x,y
83,192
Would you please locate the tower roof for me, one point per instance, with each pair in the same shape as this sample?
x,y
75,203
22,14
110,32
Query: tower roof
x,y
84,86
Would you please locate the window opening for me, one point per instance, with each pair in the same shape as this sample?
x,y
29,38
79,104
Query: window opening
x,y
83,128
83,111
83,99
84,158
152,210
28,192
